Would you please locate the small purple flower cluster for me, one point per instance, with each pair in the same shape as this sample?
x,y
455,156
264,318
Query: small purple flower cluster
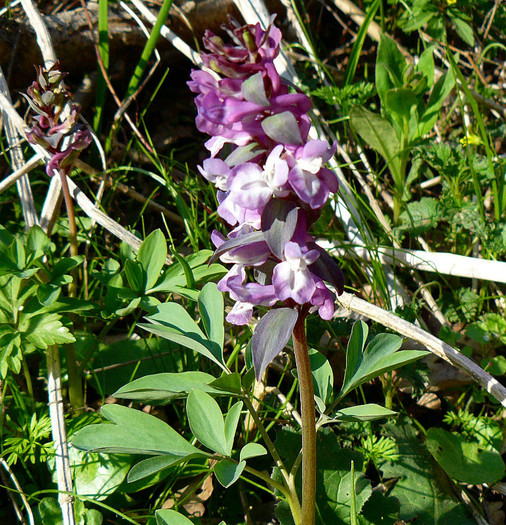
x,y
55,124
273,182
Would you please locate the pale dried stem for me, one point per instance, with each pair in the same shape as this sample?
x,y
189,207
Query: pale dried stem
x,y
491,19
358,16
284,403
56,413
438,262
19,490
129,192
43,37
176,41
426,184
51,206
11,5
16,153
28,166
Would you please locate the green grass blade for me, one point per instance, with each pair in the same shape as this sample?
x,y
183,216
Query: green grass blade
x,y
359,43
103,48
148,48
498,182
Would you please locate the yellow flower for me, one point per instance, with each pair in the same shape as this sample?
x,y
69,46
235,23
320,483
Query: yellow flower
x,y
470,138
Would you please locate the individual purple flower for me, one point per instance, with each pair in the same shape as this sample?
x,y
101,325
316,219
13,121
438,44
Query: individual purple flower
x,y
308,177
241,313
246,295
78,140
234,213
323,300
291,278
253,186
217,172
246,252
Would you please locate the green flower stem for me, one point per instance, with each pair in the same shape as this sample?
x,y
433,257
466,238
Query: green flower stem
x,y
233,355
74,250
75,386
59,433
265,477
28,379
308,420
389,390
268,442
293,500
353,499
290,495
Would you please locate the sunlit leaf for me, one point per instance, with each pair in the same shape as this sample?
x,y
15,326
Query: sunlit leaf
x,y
271,334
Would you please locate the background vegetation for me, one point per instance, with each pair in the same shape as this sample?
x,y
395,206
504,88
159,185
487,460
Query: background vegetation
x,y
413,91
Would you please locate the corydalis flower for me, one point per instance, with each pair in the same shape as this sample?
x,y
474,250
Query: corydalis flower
x,y
236,103
272,185
55,124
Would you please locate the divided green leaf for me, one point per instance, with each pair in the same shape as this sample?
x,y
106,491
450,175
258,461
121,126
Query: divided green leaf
x,y
133,432
151,256
206,422
211,308
381,355
165,386
227,472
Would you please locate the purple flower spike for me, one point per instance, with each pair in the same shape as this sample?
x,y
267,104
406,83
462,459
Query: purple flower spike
x,y
271,186
55,126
